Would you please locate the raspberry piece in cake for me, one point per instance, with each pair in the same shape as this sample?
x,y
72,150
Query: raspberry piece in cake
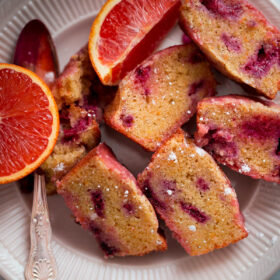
x,y
79,113
238,39
193,196
105,199
160,95
242,133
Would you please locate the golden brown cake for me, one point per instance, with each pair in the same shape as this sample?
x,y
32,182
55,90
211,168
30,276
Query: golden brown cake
x,y
160,95
105,199
242,133
193,196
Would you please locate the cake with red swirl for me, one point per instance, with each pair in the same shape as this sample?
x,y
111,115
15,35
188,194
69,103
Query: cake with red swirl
x,y
193,196
160,95
238,39
105,199
242,133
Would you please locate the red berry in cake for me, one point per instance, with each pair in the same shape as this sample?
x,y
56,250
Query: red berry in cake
x,y
238,40
242,133
202,185
232,43
223,8
260,63
127,120
98,202
105,199
196,214
193,196
129,208
160,95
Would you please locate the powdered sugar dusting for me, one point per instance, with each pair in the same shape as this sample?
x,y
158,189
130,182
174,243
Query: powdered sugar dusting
x,y
172,156
200,151
228,191
169,192
192,228
245,168
59,167
49,77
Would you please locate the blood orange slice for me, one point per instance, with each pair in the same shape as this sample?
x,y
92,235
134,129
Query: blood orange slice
x,y
125,32
29,122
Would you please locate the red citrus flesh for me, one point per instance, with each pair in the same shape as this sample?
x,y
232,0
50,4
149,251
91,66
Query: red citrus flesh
x,y
124,22
25,121
132,30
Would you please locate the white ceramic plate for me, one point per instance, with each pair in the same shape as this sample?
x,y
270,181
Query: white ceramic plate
x,y
76,252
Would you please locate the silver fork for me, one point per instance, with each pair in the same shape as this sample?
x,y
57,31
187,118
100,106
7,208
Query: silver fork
x,y
41,263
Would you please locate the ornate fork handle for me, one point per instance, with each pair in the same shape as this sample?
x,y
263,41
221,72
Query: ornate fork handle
x,y
41,263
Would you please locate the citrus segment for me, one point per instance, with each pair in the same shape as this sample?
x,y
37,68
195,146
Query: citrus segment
x,y
125,32
28,122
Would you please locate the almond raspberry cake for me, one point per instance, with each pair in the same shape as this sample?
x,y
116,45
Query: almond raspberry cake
x,y
238,39
242,133
160,95
193,196
105,199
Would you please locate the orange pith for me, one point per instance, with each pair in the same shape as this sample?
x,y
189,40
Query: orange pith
x,y
29,122
122,28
